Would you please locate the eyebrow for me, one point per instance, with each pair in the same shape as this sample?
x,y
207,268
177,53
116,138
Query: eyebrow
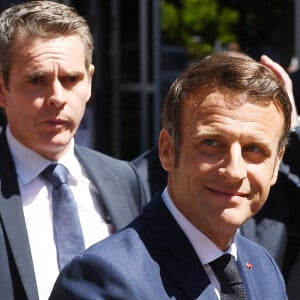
x,y
212,133
33,74
60,74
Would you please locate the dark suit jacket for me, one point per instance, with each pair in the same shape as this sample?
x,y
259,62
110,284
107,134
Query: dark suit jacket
x,y
120,195
153,259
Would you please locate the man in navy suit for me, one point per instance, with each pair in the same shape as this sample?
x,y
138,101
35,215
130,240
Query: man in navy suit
x,y
276,226
222,150
270,226
45,82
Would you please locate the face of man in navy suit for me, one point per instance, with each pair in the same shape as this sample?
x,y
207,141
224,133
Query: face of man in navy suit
x,y
48,87
228,159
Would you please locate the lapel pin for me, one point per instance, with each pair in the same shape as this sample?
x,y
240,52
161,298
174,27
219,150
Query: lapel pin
x,y
249,265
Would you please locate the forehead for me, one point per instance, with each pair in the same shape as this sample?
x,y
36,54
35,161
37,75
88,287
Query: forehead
x,y
232,112
42,50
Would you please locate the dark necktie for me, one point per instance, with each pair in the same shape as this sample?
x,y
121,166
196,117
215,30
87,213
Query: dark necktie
x,y
225,269
66,225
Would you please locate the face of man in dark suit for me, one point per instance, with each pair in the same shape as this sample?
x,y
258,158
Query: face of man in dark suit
x,y
228,159
47,92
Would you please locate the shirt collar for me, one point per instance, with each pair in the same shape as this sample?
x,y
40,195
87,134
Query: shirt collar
x,y
29,164
206,250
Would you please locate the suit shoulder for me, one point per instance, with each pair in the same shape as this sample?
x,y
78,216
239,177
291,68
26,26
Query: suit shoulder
x,y
105,159
244,242
125,266
117,252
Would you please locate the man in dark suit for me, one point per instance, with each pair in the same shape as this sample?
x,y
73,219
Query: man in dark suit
x,y
45,82
276,226
269,226
222,150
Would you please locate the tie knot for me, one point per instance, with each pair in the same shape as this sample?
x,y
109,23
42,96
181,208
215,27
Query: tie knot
x,y
57,174
226,270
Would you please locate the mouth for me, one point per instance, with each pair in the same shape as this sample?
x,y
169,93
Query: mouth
x,y
55,125
55,122
227,194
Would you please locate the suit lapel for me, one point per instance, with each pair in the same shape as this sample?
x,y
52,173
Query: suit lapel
x,y
176,254
111,197
13,221
249,269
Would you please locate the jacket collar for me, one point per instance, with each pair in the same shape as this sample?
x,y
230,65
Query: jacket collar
x,y
13,221
176,255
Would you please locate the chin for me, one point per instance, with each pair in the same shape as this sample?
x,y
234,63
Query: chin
x,y
53,150
59,140
234,221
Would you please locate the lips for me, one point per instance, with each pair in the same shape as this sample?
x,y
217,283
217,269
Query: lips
x,y
55,123
227,193
56,120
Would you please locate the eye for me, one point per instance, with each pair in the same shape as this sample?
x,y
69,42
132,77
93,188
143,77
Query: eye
x,y
256,153
210,142
36,79
70,79
254,148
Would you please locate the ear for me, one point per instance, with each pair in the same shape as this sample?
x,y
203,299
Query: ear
x,y
91,70
2,97
90,76
166,150
276,167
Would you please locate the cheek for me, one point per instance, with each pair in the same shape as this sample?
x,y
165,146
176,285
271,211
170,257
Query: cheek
x,y
260,181
194,173
84,90
76,103
259,202
15,110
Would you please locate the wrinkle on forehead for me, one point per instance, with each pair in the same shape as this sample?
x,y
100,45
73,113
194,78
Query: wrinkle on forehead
x,y
55,47
231,99
230,110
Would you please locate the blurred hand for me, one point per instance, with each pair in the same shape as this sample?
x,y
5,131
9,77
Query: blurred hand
x,y
286,81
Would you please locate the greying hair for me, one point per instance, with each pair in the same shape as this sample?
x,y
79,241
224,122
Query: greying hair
x,y
41,19
236,72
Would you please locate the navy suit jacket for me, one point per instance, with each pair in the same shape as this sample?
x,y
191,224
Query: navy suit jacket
x,y
153,259
119,191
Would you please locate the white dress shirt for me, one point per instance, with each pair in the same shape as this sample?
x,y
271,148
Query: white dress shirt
x,y
37,204
205,249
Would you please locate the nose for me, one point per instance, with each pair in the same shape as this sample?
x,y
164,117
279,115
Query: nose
x,y
56,94
233,167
